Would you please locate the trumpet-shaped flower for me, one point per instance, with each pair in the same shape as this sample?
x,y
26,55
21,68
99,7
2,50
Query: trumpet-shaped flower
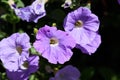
x,y
54,45
67,73
29,66
82,25
14,50
31,13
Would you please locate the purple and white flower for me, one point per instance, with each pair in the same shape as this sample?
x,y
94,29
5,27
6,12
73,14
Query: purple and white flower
x,y
67,3
14,50
67,73
31,13
29,66
83,25
54,45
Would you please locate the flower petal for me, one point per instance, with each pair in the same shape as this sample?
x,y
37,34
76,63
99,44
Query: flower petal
x,y
91,47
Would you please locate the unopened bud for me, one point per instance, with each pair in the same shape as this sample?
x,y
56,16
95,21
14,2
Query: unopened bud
x,y
35,30
54,25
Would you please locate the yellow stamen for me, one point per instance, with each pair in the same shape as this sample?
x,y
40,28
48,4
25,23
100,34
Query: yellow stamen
x,y
53,41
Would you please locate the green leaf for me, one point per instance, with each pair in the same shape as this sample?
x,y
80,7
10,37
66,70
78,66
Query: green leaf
x,y
32,77
33,51
4,16
4,1
11,18
19,3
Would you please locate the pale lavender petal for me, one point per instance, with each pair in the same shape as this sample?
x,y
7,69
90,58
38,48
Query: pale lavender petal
x,y
38,7
46,32
24,41
69,22
24,13
65,55
52,58
41,45
37,17
82,36
91,47
65,39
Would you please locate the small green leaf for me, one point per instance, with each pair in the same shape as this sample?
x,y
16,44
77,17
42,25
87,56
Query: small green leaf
x,y
33,51
4,16
32,77
11,18
19,3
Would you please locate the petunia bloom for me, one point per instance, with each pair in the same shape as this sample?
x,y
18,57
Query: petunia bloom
x,y
31,13
29,66
14,50
83,25
54,45
67,73
67,3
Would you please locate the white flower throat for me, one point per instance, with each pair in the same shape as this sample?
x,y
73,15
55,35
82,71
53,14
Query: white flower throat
x,y
54,41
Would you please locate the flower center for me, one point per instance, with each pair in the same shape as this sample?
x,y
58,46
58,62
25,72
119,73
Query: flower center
x,y
79,23
25,65
19,49
53,41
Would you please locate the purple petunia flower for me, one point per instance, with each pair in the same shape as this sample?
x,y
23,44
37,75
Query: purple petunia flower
x,y
33,12
29,66
14,50
67,73
54,45
83,26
